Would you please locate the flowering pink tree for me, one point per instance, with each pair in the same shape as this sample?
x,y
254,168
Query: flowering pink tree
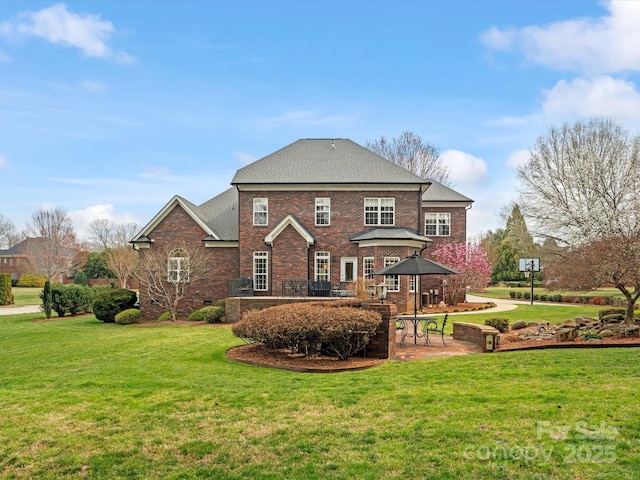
x,y
472,263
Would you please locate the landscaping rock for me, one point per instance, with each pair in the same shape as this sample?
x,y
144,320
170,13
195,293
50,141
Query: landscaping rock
x,y
606,333
629,330
567,334
518,325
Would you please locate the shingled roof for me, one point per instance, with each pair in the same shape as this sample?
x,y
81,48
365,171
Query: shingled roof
x,y
325,160
438,192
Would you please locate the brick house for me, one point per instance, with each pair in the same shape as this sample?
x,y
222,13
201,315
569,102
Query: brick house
x,y
318,210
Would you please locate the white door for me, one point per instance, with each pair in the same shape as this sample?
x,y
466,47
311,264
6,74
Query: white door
x,y
348,269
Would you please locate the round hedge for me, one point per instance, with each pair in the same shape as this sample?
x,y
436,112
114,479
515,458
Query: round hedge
x,y
128,316
310,329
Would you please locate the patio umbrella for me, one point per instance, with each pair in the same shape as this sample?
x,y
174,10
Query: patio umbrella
x,y
416,265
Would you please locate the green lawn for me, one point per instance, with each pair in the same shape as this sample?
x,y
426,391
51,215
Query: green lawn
x,y
26,296
79,397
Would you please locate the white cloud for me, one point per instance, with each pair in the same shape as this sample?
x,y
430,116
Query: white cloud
x,y
593,97
610,43
58,25
82,218
465,168
517,159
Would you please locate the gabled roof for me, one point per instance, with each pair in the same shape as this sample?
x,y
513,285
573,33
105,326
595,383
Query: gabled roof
x,y
290,220
22,248
438,192
218,217
328,161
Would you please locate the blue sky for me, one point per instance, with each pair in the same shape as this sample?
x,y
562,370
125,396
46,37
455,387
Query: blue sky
x,y
109,108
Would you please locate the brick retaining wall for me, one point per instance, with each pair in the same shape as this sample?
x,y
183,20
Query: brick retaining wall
x,y
477,334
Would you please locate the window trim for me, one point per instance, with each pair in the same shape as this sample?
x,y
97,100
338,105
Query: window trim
x,y
323,202
367,273
378,211
264,256
177,264
316,273
395,287
438,224
257,202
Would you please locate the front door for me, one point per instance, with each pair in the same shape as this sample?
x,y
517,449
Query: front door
x,y
348,269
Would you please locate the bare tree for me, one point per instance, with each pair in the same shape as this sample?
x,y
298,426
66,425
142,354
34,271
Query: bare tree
x,y
122,261
409,151
582,182
104,233
7,232
168,274
613,261
56,249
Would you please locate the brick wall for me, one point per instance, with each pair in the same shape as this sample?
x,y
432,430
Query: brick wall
x,y
347,219
383,344
176,229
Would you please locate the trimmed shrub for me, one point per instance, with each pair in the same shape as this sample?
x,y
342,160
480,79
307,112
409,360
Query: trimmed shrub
x,y
128,316
209,314
527,295
108,303
80,278
518,294
45,296
310,329
70,299
544,297
6,296
164,317
31,280
512,294
500,324
605,312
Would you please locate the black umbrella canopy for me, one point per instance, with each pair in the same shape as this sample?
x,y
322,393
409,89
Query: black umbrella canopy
x,y
416,265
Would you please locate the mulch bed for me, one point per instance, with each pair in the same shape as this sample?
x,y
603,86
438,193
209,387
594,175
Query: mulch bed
x,y
257,354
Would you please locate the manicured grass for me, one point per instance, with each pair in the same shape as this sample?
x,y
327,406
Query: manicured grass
x,y
503,292
79,397
26,296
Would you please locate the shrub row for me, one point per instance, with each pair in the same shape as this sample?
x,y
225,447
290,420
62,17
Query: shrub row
x,y
310,329
69,299
209,314
30,280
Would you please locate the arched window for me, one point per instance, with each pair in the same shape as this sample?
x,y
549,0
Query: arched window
x,y
178,265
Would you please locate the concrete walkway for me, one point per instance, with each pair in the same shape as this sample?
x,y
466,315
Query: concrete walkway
x,y
12,310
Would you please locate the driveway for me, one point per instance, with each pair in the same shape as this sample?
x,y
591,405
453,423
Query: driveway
x,y
11,310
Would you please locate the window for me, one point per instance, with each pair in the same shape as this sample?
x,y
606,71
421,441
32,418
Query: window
x,y
260,211
412,283
260,271
178,266
379,211
321,267
368,267
323,211
391,281
437,224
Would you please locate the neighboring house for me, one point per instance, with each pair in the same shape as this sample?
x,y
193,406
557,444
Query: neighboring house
x,y
325,210
14,260
25,255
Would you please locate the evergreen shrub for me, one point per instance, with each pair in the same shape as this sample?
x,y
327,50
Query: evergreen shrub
x,y
108,303
6,295
31,280
128,316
